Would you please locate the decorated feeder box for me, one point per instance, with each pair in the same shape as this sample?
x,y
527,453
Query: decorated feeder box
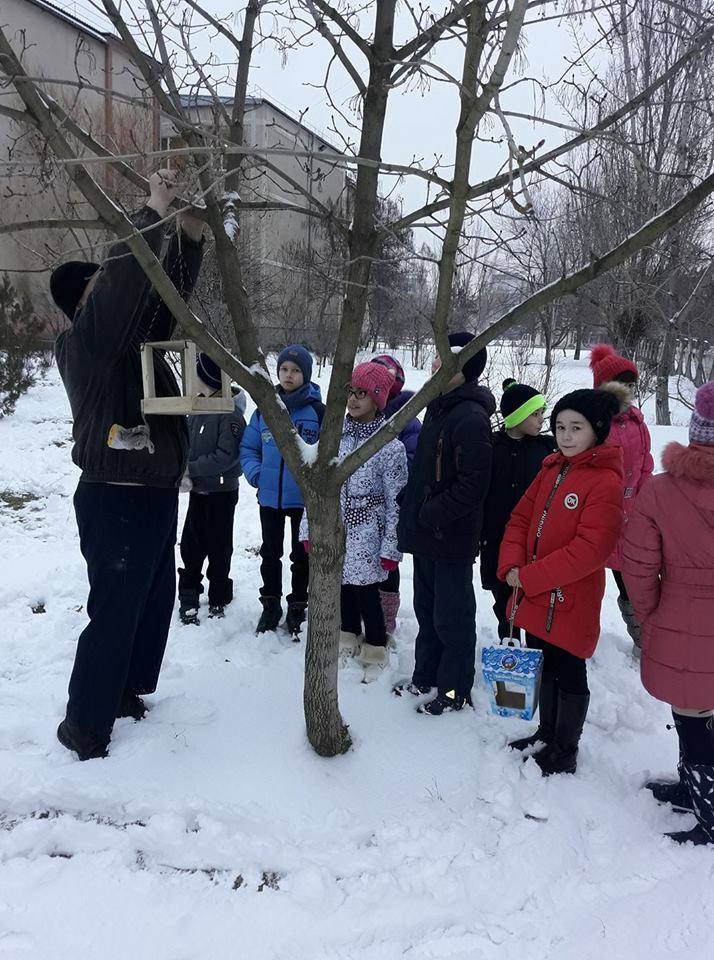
x,y
512,674
189,401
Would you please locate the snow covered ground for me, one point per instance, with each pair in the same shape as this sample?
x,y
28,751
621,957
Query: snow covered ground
x,y
213,831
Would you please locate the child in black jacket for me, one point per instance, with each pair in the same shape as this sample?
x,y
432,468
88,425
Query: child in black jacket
x,y
519,449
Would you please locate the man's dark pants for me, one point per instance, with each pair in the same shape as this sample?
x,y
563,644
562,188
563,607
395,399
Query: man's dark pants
x,y
445,608
127,536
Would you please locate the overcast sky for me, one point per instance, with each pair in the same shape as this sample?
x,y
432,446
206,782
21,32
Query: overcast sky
x,y
420,124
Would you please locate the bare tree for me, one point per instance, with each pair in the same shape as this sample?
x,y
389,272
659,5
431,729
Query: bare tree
x,y
365,50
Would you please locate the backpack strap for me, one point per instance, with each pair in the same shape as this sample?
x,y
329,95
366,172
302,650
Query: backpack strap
x,y
319,407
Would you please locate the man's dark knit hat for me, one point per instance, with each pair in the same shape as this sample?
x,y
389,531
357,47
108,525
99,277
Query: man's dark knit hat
x,y
67,284
518,402
474,367
597,406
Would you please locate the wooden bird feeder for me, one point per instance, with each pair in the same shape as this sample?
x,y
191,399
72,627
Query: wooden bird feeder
x,y
189,400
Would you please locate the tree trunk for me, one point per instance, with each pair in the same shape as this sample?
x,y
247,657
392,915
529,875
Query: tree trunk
x,y
326,730
548,341
578,341
664,367
700,376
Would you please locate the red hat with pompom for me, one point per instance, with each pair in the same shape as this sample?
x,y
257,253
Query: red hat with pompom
x,y
607,364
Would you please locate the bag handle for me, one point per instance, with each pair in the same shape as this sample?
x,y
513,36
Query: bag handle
x,y
510,642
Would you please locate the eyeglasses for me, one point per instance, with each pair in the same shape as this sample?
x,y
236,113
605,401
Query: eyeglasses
x,y
357,394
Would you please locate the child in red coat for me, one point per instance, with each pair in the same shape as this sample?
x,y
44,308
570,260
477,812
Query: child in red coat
x,y
629,432
553,554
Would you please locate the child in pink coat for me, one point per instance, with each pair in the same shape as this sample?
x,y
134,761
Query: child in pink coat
x,y
629,432
668,564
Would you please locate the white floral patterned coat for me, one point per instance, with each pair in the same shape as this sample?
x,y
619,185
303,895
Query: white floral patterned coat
x,y
368,502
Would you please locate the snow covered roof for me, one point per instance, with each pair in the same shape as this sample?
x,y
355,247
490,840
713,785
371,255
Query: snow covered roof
x,y
103,36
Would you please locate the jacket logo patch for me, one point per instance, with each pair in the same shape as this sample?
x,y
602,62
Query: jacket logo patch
x,y
235,429
571,501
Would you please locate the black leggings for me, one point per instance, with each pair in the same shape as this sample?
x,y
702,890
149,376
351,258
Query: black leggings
x,y
360,605
569,672
620,585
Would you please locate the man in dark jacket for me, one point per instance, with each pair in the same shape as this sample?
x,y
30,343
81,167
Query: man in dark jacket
x,y
127,497
440,522
214,474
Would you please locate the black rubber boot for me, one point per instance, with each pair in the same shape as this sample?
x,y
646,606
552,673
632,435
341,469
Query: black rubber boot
x,y
297,612
547,705
697,835
87,746
561,755
188,607
675,792
699,779
271,615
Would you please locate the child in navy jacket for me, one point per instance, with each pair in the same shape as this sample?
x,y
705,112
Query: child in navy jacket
x,y
278,494
214,472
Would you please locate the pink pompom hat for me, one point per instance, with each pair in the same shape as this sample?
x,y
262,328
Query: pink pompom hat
x,y
701,426
395,367
375,380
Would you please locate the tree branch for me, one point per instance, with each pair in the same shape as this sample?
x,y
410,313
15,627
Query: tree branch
x,y
52,224
327,34
346,28
494,183
216,24
570,283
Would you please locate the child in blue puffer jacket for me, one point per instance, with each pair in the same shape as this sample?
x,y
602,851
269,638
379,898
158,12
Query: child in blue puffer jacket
x,y
278,494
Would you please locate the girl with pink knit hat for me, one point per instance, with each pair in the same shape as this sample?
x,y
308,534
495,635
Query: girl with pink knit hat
x,y
409,435
668,563
368,502
618,375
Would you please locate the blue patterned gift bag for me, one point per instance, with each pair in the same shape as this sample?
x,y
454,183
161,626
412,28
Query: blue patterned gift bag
x,y
512,673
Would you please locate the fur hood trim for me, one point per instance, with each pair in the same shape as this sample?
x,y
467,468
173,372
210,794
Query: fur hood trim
x,y
620,392
695,462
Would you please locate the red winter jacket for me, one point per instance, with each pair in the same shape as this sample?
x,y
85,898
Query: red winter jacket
x,y
629,432
668,565
566,582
